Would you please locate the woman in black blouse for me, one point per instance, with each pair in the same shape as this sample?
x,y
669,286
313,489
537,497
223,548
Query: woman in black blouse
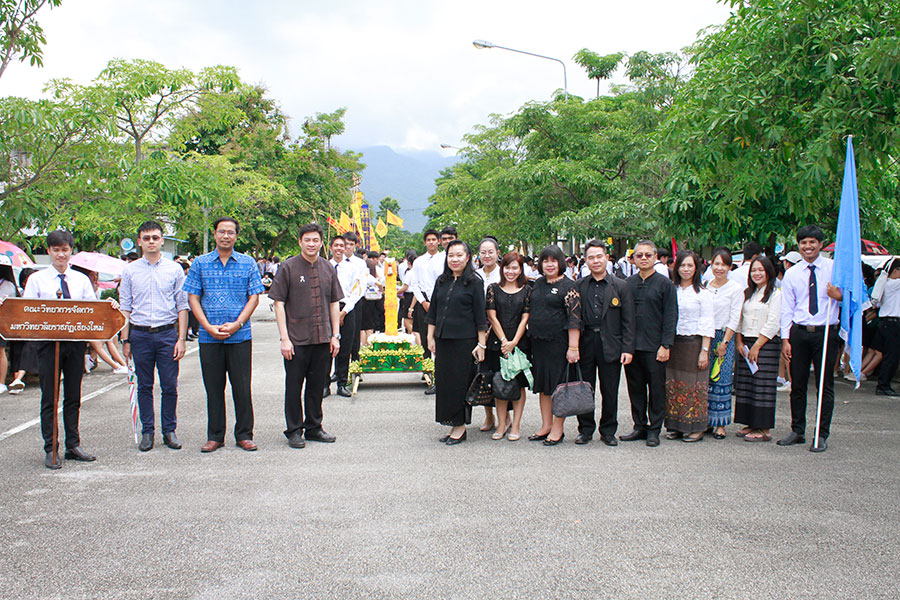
x,y
508,305
555,329
457,331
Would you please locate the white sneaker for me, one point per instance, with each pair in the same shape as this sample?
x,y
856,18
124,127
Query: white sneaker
x,y
121,371
786,387
781,380
16,386
3,388
88,363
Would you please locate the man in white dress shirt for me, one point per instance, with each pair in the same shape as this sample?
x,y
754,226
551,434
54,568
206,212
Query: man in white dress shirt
x,y
425,272
350,243
807,299
353,286
59,281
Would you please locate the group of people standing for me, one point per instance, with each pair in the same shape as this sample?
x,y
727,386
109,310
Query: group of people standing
x,y
690,351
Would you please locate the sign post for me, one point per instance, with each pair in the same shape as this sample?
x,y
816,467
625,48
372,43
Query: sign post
x,y
59,321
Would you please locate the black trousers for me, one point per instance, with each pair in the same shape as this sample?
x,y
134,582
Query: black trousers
x,y
310,364
234,360
71,364
421,327
593,365
806,350
349,335
646,378
889,328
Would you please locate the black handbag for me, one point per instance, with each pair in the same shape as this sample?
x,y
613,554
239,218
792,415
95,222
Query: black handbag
x,y
506,390
572,398
480,392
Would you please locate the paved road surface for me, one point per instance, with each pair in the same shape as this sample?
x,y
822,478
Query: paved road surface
x,y
387,512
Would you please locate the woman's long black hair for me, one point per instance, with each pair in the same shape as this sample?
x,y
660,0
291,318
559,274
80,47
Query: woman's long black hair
x,y
468,274
770,279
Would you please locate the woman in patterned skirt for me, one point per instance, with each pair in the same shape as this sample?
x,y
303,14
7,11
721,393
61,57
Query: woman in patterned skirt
x,y
687,372
727,298
759,343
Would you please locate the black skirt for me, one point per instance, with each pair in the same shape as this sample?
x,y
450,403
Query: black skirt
x,y
754,395
548,364
454,369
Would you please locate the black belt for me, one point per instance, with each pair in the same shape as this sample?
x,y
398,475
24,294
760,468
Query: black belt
x,y
153,329
816,328
893,319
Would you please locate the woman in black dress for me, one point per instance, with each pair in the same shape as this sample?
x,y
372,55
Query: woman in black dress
x,y
555,329
508,306
457,331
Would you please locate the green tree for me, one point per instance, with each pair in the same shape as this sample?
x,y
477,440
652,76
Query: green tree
x,y
21,36
757,137
598,67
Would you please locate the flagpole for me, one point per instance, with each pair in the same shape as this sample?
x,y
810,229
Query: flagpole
x,y
821,388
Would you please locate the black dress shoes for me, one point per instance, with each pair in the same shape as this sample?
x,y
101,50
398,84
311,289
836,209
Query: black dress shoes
x,y
342,391
170,440
430,391
296,441
609,440
582,439
549,442
822,446
48,462
146,442
452,441
637,434
320,436
80,455
653,439
886,392
791,439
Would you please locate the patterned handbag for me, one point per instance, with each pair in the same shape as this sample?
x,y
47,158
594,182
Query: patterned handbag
x,y
506,390
480,391
572,398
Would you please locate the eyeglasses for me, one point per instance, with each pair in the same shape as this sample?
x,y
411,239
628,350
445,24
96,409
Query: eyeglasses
x,y
643,255
150,238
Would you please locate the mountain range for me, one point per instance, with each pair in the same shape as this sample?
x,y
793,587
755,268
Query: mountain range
x,y
406,175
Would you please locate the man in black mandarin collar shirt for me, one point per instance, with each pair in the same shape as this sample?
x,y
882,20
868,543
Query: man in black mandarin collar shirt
x,y
656,315
607,340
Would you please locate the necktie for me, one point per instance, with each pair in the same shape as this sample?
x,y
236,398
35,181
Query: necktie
x,y
813,291
64,286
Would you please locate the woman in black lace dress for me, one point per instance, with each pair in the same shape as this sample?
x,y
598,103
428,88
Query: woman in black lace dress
x,y
508,305
555,329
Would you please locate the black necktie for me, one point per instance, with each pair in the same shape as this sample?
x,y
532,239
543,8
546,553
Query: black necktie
x,y
813,291
64,286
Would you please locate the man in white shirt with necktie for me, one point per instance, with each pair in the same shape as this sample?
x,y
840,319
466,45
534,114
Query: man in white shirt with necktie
x,y
808,298
353,286
58,282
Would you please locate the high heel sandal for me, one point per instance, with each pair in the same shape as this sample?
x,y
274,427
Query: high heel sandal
x,y
499,435
549,442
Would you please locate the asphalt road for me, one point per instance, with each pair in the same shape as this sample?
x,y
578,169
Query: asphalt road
x,y
387,512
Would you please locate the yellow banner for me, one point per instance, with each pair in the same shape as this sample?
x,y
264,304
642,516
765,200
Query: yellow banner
x,y
394,219
381,229
344,223
373,244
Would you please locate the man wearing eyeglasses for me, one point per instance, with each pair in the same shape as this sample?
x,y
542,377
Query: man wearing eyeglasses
x,y
152,297
655,317
223,290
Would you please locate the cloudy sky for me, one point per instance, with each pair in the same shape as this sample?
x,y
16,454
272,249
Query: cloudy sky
x,y
405,69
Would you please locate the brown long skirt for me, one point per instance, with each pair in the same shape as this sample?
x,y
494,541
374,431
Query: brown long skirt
x,y
687,387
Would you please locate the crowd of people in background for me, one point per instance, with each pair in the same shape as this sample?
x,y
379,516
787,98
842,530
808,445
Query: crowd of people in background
x,y
702,343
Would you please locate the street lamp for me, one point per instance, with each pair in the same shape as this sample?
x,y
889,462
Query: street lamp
x,y
484,44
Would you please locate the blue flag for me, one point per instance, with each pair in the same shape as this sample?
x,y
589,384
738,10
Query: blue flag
x,y
847,273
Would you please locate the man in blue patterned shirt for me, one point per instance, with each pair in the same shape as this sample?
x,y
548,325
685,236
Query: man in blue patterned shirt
x,y
223,290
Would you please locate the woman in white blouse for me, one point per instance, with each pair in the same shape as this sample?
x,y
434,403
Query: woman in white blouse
x,y
687,372
759,343
727,298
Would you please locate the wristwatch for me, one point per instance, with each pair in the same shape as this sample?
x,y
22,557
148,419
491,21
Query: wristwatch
x,y
666,346
337,336
705,349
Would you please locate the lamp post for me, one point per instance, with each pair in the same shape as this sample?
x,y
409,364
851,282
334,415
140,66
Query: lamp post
x,y
483,44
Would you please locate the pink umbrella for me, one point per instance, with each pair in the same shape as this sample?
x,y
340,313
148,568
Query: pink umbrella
x,y
16,255
101,263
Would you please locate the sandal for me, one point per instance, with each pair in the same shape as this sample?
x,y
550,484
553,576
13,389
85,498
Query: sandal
x,y
499,435
757,436
513,437
743,431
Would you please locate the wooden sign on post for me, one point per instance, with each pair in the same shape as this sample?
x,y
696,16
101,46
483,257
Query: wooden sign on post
x,y
59,321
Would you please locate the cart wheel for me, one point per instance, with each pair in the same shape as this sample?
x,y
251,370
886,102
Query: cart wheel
x,y
356,379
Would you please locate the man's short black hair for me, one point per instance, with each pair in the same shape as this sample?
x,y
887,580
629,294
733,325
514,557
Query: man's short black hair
x,y
336,238
597,244
350,236
149,226
810,231
430,232
752,249
449,230
60,237
311,228
237,226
